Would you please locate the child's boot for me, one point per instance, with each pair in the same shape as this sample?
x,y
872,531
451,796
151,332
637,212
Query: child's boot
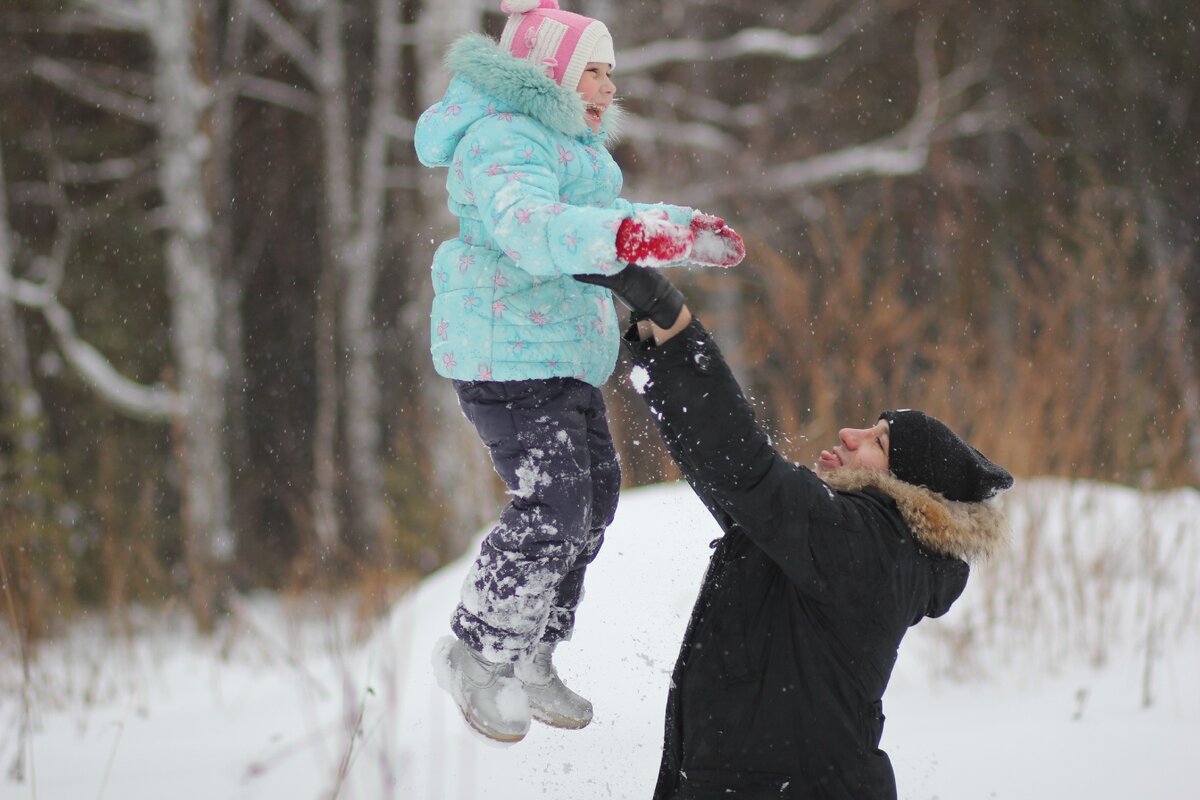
x,y
550,700
490,698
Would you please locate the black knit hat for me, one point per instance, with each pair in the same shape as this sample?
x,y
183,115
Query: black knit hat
x,y
924,452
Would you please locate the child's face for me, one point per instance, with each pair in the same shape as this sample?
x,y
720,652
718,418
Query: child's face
x,y
597,89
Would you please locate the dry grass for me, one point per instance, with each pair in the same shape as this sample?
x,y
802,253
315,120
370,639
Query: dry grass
x,y
1060,365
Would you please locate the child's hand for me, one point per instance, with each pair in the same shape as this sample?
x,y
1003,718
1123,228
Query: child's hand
x,y
715,244
653,240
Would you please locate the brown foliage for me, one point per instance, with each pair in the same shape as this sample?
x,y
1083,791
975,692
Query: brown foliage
x,y
1058,365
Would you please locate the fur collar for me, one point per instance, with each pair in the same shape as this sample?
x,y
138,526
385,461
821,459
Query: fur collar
x,y
969,531
519,84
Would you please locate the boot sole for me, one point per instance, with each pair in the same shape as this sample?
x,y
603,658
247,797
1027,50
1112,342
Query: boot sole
x,y
565,723
495,736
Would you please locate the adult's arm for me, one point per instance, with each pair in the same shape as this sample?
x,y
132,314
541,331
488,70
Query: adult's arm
x,y
712,433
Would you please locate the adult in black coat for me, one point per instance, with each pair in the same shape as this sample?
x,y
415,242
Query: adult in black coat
x,y
778,688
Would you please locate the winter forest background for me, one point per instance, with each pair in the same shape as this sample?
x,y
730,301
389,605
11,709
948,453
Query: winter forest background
x,y
215,240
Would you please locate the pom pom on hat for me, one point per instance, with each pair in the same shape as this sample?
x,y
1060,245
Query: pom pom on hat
x,y
924,452
560,43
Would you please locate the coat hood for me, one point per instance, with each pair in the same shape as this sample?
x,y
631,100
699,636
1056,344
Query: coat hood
x,y
969,531
489,81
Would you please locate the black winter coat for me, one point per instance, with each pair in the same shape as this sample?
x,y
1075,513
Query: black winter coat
x,y
778,688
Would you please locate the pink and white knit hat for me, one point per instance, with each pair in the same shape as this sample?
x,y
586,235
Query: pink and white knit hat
x,y
559,42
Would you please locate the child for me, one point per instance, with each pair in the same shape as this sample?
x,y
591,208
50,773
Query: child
x,y
522,129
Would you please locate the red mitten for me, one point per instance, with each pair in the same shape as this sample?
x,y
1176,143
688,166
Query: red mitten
x,y
653,241
716,244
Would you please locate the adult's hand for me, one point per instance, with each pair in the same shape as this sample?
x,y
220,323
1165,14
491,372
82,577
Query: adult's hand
x,y
646,291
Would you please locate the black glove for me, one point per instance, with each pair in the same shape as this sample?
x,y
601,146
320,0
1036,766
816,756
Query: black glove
x,y
645,291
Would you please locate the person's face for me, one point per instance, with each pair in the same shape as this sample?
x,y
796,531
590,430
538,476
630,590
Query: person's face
x,y
597,90
864,448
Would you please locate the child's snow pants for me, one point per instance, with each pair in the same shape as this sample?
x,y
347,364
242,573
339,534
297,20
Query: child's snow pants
x,y
549,441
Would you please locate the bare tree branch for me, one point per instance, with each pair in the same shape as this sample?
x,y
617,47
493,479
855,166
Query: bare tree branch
x,y
279,94
746,42
110,170
285,36
126,16
135,16
903,152
154,403
693,134
704,107
91,92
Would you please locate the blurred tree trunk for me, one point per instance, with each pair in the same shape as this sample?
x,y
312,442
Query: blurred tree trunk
x,y
355,168
354,201
182,101
222,58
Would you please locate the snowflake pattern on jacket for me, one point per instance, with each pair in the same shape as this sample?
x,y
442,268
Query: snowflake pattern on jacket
x,y
536,194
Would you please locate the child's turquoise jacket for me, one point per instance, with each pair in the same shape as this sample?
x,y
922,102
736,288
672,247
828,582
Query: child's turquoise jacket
x,y
537,198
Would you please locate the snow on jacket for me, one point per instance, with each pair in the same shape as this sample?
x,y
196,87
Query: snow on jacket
x,y
778,688
537,198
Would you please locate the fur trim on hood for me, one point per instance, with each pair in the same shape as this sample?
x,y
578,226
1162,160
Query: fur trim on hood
x,y
970,531
519,84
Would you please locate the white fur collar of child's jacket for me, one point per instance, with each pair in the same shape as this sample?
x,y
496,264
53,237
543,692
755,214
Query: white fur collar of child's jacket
x,y
969,531
519,84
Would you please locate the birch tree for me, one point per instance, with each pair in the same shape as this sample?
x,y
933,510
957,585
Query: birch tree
x,y
194,286
196,409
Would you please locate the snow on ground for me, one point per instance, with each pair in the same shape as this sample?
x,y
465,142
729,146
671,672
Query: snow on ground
x,y
1034,686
